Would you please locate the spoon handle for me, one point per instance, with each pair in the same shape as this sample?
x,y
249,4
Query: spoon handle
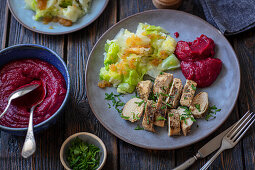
x,y
29,144
5,110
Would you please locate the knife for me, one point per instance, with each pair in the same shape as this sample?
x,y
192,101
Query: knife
x,y
206,150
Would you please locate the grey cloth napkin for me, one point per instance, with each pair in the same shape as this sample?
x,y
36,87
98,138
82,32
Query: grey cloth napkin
x,y
230,16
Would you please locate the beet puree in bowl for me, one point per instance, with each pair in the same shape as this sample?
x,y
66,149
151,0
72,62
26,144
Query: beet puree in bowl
x,y
25,64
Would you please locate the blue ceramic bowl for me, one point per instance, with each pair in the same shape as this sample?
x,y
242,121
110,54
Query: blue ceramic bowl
x,y
28,51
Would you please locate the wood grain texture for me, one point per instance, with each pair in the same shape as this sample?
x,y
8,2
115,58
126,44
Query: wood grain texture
x,y
79,116
4,15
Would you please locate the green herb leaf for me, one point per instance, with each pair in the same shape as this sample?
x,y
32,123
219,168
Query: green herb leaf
x,y
160,118
169,105
193,87
124,117
139,128
139,103
198,107
170,114
163,107
81,155
161,73
109,106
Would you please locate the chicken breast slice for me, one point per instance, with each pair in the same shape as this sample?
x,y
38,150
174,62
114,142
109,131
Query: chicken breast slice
x,y
161,88
133,109
186,122
174,93
199,105
188,93
143,89
174,124
149,114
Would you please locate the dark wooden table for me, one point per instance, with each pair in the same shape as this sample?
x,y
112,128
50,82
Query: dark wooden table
x,y
75,48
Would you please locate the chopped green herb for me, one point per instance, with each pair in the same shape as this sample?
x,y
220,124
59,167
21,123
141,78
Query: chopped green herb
x,y
148,122
163,107
124,117
139,103
170,115
169,105
109,106
198,107
212,112
139,128
183,118
81,155
115,103
160,118
185,98
193,87
163,94
161,73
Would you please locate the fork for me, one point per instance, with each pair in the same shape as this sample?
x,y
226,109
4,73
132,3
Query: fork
x,y
233,136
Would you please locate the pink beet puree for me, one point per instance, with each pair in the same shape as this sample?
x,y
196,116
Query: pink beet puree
x,y
28,71
203,72
200,48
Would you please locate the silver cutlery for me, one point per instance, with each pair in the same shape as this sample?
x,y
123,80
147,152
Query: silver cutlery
x,y
233,136
206,150
18,93
29,146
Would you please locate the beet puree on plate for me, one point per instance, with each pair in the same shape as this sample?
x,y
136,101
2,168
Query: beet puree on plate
x,y
22,72
196,60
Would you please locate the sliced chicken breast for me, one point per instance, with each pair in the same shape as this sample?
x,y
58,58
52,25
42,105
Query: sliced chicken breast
x,y
174,93
199,105
144,88
186,121
188,93
149,114
174,124
133,109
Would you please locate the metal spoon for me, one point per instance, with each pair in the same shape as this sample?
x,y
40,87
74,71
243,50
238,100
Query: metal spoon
x,y
29,146
18,93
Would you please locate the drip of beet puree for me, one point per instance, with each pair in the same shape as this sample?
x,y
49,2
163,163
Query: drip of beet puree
x,y
176,34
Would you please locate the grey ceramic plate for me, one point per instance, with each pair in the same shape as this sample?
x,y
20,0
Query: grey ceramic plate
x,y
222,93
24,16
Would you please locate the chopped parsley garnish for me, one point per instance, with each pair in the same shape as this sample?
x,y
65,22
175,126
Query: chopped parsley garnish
x,y
109,106
148,122
163,94
124,117
161,73
187,114
185,98
139,128
170,115
169,105
198,107
135,117
81,155
139,103
115,102
212,112
163,107
193,87
160,118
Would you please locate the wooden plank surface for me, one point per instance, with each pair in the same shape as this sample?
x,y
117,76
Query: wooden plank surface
x,y
75,48
79,116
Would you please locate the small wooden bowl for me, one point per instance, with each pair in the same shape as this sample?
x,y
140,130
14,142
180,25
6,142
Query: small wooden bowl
x,y
86,137
167,4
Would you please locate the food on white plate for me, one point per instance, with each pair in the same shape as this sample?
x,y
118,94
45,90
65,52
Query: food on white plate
x,y
143,89
174,124
129,56
133,109
187,120
66,12
188,93
148,118
199,105
160,89
174,93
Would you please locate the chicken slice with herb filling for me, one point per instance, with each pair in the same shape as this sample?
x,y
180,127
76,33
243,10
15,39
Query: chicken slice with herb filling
x,y
199,105
148,119
174,124
174,93
188,93
143,89
133,110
